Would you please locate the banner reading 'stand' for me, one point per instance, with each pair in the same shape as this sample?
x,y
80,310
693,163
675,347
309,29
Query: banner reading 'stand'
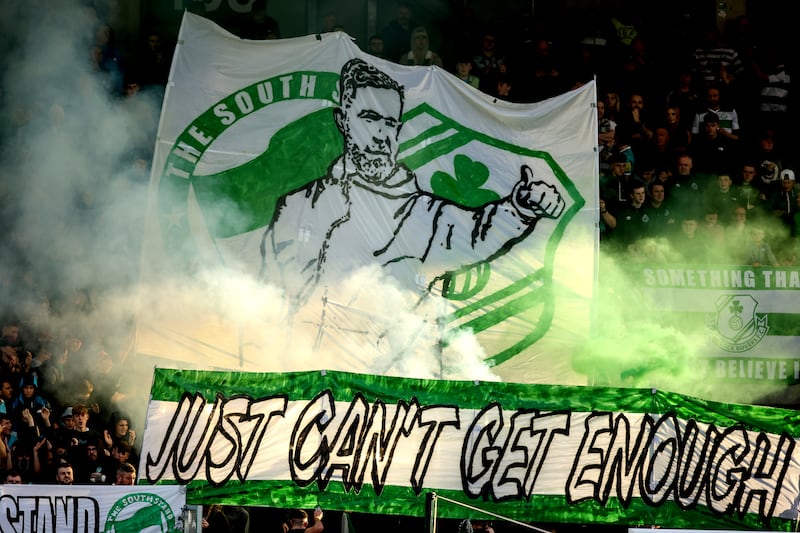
x,y
374,211
92,508
529,452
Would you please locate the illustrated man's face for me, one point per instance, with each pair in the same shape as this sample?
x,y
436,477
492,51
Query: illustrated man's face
x,y
371,125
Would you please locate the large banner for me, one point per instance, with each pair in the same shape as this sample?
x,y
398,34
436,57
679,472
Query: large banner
x,y
91,509
532,453
316,207
743,320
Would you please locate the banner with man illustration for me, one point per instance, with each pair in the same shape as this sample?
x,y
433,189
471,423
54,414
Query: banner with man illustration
x,y
340,211
532,453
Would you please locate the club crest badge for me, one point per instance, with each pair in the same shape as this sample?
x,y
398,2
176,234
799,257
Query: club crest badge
x,y
736,326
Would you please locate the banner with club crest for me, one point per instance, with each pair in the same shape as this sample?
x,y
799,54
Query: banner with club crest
x,y
313,206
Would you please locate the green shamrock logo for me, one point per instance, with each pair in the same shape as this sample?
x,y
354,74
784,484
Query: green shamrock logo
x,y
465,187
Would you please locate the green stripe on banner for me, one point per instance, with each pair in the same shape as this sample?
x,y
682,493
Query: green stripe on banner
x,y
402,501
170,385
780,324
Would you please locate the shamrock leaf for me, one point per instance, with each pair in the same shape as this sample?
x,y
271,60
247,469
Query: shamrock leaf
x,y
465,187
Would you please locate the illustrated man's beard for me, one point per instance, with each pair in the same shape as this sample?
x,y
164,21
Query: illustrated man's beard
x,y
373,167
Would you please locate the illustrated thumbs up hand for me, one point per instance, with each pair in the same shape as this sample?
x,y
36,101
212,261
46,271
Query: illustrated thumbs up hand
x,y
536,199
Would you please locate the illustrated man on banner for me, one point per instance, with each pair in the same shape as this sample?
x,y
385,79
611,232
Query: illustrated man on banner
x,y
369,208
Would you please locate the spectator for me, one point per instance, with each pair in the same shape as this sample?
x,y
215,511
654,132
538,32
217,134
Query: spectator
x,y
658,210
397,34
28,400
615,188
298,522
759,252
82,434
464,71
638,69
64,474
713,152
680,137
89,467
489,63
636,120
13,477
750,196
714,235
633,219
783,203
608,222
687,193
688,243
420,52
121,452
774,93
683,96
768,157
721,198
737,237
62,433
6,396
542,78
125,474
375,47
119,430
7,439
613,105
153,61
605,136
503,88
727,117
715,63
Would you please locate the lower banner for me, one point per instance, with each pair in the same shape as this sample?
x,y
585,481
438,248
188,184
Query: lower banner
x,y
535,453
91,508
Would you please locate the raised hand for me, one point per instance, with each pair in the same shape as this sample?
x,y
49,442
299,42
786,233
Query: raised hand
x,y
536,199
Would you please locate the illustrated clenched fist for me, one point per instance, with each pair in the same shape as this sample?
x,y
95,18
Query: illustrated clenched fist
x,y
535,199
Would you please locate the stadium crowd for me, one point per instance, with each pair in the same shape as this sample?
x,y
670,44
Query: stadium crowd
x,y
695,167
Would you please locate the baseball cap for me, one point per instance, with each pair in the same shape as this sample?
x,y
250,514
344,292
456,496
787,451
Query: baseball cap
x,y
67,413
787,174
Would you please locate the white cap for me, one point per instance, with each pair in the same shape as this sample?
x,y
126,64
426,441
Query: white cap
x,y
787,174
